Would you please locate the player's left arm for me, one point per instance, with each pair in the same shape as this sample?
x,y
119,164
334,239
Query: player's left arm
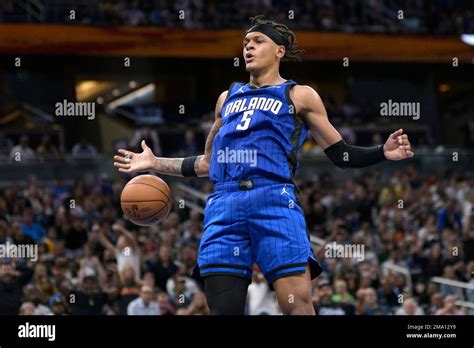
x,y
310,108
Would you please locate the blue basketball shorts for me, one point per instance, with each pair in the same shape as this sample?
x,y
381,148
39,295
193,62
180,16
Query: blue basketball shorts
x,y
257,221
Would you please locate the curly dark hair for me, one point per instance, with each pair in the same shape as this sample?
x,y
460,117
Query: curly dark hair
x,y
293,52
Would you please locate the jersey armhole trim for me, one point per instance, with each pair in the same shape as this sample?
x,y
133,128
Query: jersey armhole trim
x,y
229,91
288,87
290,102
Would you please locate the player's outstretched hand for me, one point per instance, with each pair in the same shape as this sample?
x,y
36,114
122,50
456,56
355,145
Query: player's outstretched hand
x,y
133,162
397,146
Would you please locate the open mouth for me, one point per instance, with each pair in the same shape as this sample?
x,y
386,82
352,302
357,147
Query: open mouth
x,y
249,57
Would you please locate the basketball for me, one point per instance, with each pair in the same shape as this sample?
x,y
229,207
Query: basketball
x,y
146,200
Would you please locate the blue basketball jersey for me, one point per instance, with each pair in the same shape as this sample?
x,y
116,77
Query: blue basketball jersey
x,y
260,135
260,222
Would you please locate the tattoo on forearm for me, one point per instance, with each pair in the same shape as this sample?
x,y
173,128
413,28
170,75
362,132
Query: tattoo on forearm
x,y
170,166
197,165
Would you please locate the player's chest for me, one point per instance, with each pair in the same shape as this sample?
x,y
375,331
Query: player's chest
x,y
242,113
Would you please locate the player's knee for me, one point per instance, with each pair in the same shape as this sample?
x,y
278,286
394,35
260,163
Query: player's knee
x,y
300,306
302,309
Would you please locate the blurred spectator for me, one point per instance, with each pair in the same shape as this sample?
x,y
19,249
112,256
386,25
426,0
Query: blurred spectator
x,y
410,307
436,302
389,294
470,276
151,138
324,305
144,305
341,294
126,251
449,307
468,213
377,139
181,288
75,236
6,144
27,308
190,144
84,150
156,16
367,303
30,294
134,15
46,149
22,152
449,273
7,11
106,14
261,300
10,290
449,216
162,266
348,134
130,288
90,266
198,306
89,299
30,228
57,305
166,308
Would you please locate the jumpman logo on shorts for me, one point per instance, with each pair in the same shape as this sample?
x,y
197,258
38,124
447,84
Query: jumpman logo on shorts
x,y
284,191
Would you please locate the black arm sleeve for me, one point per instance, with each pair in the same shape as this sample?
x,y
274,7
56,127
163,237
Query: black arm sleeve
x,y
349,156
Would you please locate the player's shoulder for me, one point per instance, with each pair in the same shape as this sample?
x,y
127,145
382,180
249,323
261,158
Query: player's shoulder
x,y
222,97
303,92
220,101
305,98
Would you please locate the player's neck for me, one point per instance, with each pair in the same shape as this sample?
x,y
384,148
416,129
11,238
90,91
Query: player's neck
x,y
265,78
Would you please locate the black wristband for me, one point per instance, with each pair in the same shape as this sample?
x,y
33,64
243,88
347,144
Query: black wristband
x,y
187,167
349,156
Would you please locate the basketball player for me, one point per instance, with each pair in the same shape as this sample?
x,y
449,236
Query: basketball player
x,y
251,157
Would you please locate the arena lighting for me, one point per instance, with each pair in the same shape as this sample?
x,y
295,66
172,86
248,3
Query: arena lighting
x,y
128,97
468,39
444,87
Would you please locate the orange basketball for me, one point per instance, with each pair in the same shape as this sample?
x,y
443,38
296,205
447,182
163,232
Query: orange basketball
x,y
146,200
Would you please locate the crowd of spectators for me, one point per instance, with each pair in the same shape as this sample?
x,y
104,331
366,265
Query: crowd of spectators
x,y
46,149
419,222
421,16
91,261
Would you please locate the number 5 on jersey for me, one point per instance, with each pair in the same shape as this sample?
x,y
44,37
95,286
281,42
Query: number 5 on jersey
x,y
245,121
